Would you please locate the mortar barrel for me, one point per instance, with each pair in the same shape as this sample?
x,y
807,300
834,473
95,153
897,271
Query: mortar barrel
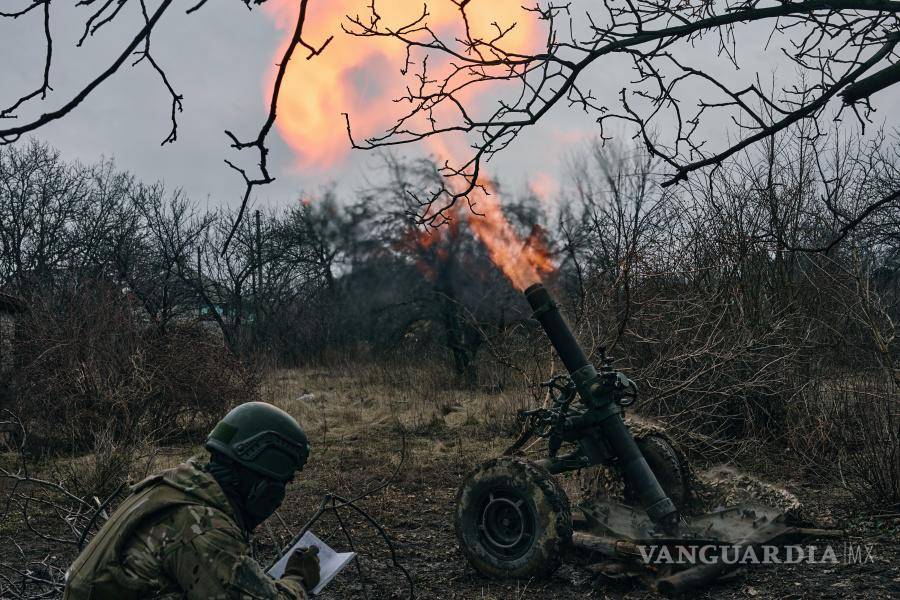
x,y
548,315
634,466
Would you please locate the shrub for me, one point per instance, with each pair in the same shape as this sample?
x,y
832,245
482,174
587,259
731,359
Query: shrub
x,y
89,362
869,437
848,430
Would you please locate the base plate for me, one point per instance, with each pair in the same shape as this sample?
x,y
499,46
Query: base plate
x,y
610,519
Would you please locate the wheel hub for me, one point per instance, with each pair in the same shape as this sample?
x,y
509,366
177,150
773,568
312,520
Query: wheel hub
x,y
507,523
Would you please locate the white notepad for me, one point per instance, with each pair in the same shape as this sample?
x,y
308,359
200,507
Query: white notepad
x,y
330,562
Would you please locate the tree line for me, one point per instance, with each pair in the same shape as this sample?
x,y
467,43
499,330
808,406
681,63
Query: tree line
x,y
709,294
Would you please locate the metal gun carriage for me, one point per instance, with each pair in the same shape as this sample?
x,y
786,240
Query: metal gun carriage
x,y
513,518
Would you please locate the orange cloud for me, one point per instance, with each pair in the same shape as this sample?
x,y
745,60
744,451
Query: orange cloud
x,y
361,76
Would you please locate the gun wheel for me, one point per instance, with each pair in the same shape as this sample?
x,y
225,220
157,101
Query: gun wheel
x,y
669,468
512,519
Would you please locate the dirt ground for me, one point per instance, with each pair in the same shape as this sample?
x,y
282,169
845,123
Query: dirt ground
x,y
357,445
444,437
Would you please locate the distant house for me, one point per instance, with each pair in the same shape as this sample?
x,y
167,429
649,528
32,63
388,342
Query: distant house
x,y
10,307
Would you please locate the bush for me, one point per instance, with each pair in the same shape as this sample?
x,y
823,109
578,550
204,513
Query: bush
x,y
90,364
848,431
869,437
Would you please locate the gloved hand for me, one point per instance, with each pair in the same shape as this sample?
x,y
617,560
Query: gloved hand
x,y
304,563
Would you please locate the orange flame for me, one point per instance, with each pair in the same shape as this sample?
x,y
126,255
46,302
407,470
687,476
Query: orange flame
x,y
430,248
522,261
361,76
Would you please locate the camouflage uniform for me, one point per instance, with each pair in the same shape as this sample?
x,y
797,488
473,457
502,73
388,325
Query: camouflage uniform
x,y
175,536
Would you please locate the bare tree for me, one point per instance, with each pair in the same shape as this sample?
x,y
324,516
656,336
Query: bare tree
x,y
41,199
836,46
844,51
103,14
169,228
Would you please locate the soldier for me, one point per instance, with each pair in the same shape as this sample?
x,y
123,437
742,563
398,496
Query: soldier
x,y
184,532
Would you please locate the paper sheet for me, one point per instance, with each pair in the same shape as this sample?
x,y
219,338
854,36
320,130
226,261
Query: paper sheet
x,y
330,561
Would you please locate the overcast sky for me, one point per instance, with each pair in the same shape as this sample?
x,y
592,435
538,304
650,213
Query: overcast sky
x,y
221,58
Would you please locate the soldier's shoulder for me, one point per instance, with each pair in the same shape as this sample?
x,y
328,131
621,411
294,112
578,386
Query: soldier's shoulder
x,y
188,482
191,501
199,518
186,476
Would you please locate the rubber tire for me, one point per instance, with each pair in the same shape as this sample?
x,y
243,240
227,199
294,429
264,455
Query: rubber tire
x,y
547,500
666,464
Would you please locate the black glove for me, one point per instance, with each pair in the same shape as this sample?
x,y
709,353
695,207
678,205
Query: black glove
x,y
304,563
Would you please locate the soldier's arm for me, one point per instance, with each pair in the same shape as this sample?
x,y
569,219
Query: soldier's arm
x,y
215,565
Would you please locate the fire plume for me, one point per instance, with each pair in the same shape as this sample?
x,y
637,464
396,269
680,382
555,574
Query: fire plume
x,y
361,76
522,261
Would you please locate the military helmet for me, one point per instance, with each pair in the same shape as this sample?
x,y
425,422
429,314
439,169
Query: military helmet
x,y
263,438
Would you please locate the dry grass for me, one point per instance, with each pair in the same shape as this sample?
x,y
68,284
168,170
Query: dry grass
x,y
340,402
356,417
